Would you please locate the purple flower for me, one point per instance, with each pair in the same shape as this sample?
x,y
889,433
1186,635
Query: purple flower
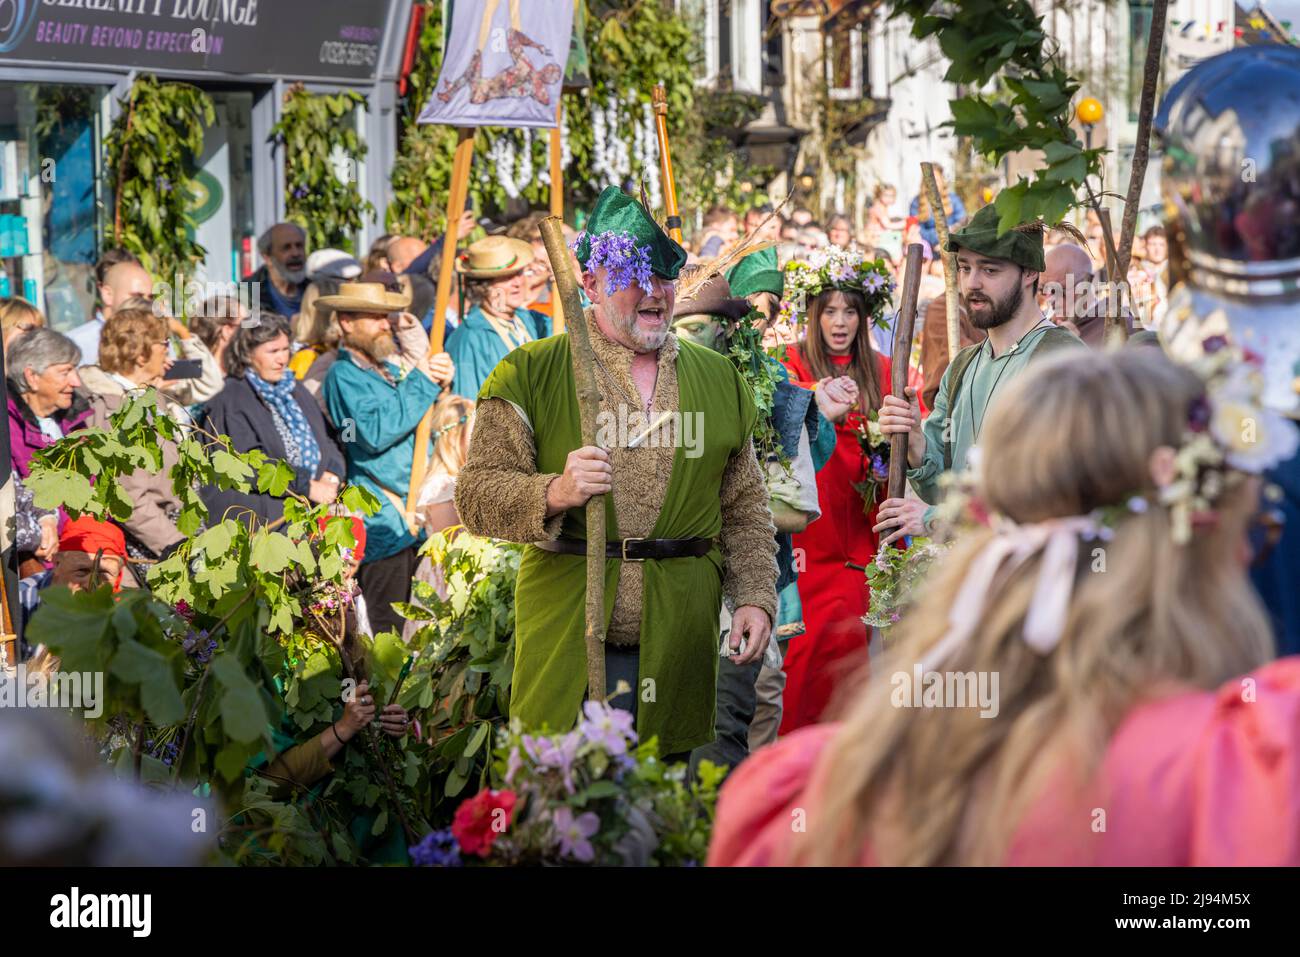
x,y
611,728
199,646
874,282
300,192
843,274
513,763
625,262
163,184
436,849
1198,414
1214,343
573,833
557,753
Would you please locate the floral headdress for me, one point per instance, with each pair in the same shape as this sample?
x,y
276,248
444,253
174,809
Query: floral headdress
x,y
835,268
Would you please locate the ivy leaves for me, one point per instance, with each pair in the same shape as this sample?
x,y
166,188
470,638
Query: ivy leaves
x,y
322,157
984,39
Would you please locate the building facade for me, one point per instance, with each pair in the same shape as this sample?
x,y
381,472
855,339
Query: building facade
x,y
65,65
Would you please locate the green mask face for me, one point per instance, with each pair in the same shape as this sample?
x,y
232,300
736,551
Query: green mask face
x,y
701,330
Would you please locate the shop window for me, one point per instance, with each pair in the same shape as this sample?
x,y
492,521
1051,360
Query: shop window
x,y
49,140
747,45
222,206
846,76
702,15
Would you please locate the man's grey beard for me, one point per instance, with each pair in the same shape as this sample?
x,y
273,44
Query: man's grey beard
x,y
1000,313
294,277
641,341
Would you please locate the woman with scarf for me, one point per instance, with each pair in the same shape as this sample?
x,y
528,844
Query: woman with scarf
x,y
264,407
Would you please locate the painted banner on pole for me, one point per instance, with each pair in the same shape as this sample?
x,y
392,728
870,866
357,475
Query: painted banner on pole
x,y
504,64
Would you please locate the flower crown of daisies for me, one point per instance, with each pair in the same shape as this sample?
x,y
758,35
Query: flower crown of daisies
x,y
1230,434
625,261
835,268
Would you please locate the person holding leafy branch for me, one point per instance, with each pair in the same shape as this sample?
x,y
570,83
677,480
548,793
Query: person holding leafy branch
x,y
844,293
684,524
785,438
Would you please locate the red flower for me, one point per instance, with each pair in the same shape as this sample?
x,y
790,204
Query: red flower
x,y
480,819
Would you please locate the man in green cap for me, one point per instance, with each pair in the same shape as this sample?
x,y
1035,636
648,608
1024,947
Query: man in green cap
x,y
687,519
759,279
998,278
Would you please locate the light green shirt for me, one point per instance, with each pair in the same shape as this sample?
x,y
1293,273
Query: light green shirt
x,y
985,376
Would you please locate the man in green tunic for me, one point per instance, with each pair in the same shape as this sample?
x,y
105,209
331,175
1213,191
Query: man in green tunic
x,y
687,518
998,280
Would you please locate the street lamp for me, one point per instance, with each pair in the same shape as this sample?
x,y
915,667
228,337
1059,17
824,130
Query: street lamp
x,y
1090,113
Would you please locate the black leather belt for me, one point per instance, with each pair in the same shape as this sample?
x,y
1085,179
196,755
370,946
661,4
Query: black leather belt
x,y
635,549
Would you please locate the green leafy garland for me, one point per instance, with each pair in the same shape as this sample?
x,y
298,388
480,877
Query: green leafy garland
x,y
762,374
149,155
312,132
1007,39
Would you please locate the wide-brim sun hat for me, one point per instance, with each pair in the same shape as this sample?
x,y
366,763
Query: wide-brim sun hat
x,y
371,297
496,257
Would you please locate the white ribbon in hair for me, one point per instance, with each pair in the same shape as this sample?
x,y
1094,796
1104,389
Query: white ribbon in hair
x,y
1058,539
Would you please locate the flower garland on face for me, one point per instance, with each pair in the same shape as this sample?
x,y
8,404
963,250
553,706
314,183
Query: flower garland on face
x,y
835,268
624,260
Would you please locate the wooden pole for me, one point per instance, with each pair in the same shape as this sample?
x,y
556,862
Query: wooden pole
x,y
899,361
557,205
455,209
673,224
1142,146
1114,329
584,376
949,261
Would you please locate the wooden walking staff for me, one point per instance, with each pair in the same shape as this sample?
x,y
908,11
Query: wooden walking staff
x,y
455,209
949,260
557,199
673,224
584,377
903,327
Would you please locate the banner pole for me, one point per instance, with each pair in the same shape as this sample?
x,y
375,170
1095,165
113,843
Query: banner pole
x,y
455,209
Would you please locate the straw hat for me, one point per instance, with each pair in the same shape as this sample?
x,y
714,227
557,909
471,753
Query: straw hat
x,y
369,297
497,257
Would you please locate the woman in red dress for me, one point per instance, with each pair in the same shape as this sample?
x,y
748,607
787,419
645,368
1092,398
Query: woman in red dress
x,y
835,355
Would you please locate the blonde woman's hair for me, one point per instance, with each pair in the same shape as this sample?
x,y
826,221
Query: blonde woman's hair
x,y
924,786
451,421
15,310
317,326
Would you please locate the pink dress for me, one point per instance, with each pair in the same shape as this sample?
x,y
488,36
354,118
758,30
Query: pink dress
x,y
1200,779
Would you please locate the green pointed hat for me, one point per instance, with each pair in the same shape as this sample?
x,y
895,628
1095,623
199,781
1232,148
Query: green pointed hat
x,y
617,213
757,272
980,235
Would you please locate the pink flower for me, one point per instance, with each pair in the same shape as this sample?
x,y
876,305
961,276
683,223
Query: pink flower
x,y
573,833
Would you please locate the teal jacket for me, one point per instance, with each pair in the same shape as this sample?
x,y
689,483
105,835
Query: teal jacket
x,y
377,422
476,348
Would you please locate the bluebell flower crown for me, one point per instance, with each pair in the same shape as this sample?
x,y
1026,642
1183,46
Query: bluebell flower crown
x,y
625,261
